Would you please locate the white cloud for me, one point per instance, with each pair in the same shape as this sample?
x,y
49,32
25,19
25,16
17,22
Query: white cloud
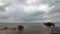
x,y
31,1
27,10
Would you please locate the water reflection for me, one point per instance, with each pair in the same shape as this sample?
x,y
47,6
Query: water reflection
x,y
28,29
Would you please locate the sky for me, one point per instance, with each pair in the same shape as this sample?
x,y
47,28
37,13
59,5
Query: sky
x,y
29,11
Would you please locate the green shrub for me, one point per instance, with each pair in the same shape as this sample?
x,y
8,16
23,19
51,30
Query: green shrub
x,y
49,24
20,27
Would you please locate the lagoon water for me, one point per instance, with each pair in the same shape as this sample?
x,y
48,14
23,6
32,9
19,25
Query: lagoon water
x,y
29,28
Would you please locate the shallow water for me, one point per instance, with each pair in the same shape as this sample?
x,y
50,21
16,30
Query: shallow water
x,y
28,29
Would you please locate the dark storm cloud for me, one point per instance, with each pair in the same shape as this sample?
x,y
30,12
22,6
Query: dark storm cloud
x,y
33,17
2,9
20,1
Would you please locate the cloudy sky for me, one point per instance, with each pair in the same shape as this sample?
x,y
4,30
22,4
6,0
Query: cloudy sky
x,y
29,11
